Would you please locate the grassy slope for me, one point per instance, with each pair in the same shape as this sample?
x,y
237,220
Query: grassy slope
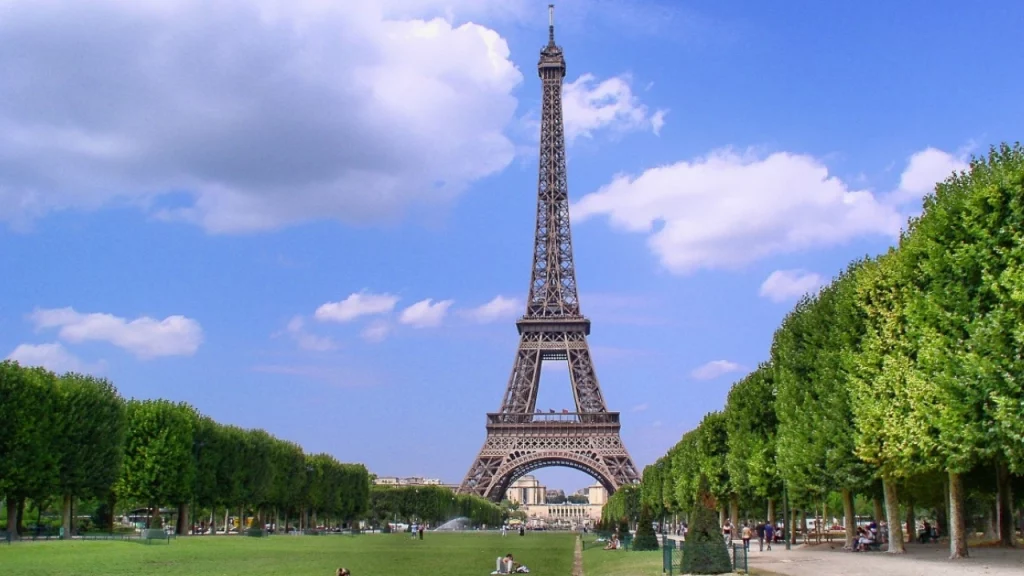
x,y
366,555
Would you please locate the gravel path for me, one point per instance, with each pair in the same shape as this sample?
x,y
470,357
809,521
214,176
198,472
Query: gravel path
x,y
920,560
577,559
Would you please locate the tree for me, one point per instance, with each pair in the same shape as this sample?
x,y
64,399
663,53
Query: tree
x,y
751,426
969,265
704,550
88,440
810,351
28,464
712,447
158,462
645,538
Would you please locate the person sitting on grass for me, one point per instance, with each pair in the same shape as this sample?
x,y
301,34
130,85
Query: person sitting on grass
x,y
613,544
343,572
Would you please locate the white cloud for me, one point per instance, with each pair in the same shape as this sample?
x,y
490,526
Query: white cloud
x,y
53,357
497,309
355,305
924,170
376,331
296,329
640,407
425,313
589,105
241,116
783,285
727,209
144,337
656,424
714,369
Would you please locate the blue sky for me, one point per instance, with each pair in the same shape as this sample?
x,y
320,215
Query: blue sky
x,y
189,197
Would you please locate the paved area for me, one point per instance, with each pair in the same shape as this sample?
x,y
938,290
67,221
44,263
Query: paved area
x,y
920,560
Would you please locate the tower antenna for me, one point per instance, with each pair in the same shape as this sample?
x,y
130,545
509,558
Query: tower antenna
x,y
551,24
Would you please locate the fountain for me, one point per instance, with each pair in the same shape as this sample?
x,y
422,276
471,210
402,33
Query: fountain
x,y
453,525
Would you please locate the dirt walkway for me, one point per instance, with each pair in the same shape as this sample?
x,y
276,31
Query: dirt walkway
x,y
577,559
920,560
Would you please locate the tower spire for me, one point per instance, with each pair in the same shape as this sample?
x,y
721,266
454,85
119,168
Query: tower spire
x,y
551,24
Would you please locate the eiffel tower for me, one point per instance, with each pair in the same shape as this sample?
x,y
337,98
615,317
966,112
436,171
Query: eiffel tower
x,y
519,437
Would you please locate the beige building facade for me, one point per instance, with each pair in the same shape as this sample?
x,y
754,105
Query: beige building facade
x,y
531,496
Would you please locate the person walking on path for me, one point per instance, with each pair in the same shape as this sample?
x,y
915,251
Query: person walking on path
x,y
760,536
769,533
746,534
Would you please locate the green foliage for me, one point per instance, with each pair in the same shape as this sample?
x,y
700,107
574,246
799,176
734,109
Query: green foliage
x,y
968,260
704,550
816,430
624,503
432,504
751,427
89,435
645,538
712,446
158,464
28,463
651,488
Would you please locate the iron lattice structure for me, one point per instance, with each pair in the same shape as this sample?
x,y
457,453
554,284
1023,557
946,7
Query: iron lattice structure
x,y
520,438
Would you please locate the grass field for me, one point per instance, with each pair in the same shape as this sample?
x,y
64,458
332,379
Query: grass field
x,y
598,562
445,554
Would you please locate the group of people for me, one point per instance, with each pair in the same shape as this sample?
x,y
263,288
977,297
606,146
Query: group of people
x,y
765,531
508,565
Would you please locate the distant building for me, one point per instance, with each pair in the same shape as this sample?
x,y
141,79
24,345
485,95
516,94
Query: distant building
x,y
408,481
532,498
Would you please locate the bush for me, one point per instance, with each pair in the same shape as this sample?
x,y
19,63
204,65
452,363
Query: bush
x,y
645,538
704,550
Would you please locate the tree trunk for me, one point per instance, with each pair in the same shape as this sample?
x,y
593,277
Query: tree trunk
x,y
66,516
849,519
1004,506
12,517
892,509
112,502
21,515
957,519
911,521
181,528
947,513
771,511
794,523
722,515
879,513
734,512
989,523
227,514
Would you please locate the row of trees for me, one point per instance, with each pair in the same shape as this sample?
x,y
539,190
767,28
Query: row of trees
x,y
901,382
72,436
431,504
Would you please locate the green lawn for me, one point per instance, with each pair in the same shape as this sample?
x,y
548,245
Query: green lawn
x,y
598,562
365,555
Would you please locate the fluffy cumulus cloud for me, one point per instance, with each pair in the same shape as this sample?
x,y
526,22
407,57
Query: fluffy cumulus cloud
x,y
589,105
242,116
714,369
52,356
355,305
425,313
144,337
924,169
783,285
497,309
728,209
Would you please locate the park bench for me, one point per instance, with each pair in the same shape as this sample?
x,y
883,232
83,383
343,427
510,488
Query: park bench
x,y
155,534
